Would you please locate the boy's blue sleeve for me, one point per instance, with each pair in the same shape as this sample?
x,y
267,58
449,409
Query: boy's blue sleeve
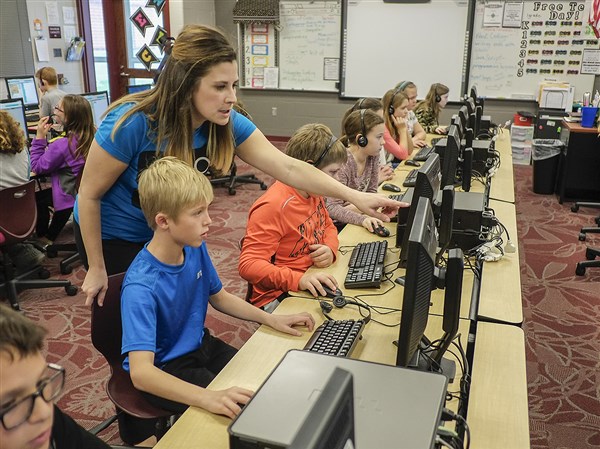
x,y
128,139
242,127
215,284
138,316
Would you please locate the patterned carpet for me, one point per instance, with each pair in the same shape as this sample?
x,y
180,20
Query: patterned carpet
x,y
562,318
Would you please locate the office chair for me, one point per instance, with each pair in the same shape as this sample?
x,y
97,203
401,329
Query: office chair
x,y
232,179
17,222
587,230
106,332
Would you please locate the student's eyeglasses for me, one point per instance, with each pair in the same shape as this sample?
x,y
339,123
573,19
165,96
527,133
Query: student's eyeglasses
x,y
56,108
16,413
325,151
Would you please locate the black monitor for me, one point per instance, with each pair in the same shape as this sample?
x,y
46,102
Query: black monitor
x,y
449,156
479,101
23,87
414,349
468,133
135,88
99,103
427,185
467,169
16,110
445,221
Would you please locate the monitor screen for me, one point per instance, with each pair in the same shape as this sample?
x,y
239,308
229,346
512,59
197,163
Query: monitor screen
x,y
427,185
422,242
99,102
135,88
16,110
23,87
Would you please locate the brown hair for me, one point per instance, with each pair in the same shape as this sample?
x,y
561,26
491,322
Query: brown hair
x,y
430,102
79,122
12,137
168,107
19,335
359,122
47,74
395,98
372,104
310,141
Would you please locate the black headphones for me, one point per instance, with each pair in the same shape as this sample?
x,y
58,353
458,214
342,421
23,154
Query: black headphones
x,y
400,88
437,96
358,105
340,302
325,151
362,140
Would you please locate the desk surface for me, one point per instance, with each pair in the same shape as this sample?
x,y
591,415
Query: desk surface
x,y
498,409
576,127
503,183
198,428
500,294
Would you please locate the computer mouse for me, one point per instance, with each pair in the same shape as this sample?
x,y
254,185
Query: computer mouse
x,y
391,187
329,293
381,231
412,163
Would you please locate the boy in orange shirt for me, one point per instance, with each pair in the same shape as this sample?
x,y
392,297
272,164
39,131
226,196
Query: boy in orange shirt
x,y
289,230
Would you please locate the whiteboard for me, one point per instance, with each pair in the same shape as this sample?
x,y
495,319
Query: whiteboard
x,y
309,45
503,59
385,43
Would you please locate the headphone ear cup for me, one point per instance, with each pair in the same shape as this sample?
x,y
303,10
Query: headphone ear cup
x,y
437,98
362,141
391,110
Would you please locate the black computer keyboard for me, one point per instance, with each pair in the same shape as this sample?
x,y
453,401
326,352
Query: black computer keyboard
x,y
397,197
411,179
336,337
365,269
423,154
32,118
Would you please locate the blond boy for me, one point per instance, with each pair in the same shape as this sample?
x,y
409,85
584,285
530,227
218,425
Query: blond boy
x,y
170,355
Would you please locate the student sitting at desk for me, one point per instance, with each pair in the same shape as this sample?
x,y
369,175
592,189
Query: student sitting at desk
x,y
415,129
14,171
428,110
170,355
28,389
63,159
289,230
397,141
51,94
386,172
363,134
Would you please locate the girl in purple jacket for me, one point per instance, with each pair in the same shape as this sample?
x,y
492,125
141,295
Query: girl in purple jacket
x,y
62,158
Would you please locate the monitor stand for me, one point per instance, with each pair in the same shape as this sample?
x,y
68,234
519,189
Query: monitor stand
x,y
422,361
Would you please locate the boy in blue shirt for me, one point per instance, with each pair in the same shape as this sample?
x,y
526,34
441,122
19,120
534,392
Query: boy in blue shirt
x,y
171,357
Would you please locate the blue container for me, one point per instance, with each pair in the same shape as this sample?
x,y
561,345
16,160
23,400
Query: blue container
x,y
588,116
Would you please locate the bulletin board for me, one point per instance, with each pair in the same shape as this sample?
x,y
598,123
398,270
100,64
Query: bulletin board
x,y
301,52
516,45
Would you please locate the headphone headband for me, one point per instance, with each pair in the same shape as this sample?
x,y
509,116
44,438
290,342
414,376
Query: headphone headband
x,y
325,151
403,85
362,140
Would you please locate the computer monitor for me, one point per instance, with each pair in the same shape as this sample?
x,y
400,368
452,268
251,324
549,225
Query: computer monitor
x,y
16,109
414,349
468,133
427,185
23,87
135,88
467,169
445,221
449,157
479,101
99,103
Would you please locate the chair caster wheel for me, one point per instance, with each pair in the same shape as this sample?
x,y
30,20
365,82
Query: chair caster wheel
x,y
71,290
51,253
581,237
263,186
66,270
589,255
43,274
579,270
232,191
574,208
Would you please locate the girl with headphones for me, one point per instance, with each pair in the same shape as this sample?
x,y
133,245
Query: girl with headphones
x,y
415,129
363,136
428,110
398,142
386,172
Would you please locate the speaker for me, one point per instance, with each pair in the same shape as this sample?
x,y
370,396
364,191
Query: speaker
x,y
362,140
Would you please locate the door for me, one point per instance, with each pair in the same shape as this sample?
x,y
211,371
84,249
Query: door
x,y
135,31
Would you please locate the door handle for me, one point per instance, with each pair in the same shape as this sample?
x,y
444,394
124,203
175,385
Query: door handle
x,y
124,74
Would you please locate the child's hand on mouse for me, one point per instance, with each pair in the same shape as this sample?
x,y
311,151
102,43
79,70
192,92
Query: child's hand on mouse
x,y
386,173
313,281
370,223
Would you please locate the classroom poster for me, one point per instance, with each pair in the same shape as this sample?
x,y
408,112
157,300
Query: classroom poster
x,y
259,56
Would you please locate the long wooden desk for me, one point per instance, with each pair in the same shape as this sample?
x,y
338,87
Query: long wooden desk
x,y
503,183
498,411
198,428
500,297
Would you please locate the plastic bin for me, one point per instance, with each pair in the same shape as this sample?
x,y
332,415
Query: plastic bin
x,y
545,155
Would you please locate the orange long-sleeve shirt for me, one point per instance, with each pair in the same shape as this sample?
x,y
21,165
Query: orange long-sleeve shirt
x,y
282,224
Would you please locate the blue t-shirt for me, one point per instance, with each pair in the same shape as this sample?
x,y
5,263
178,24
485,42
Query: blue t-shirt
x,y
121,215
163,307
